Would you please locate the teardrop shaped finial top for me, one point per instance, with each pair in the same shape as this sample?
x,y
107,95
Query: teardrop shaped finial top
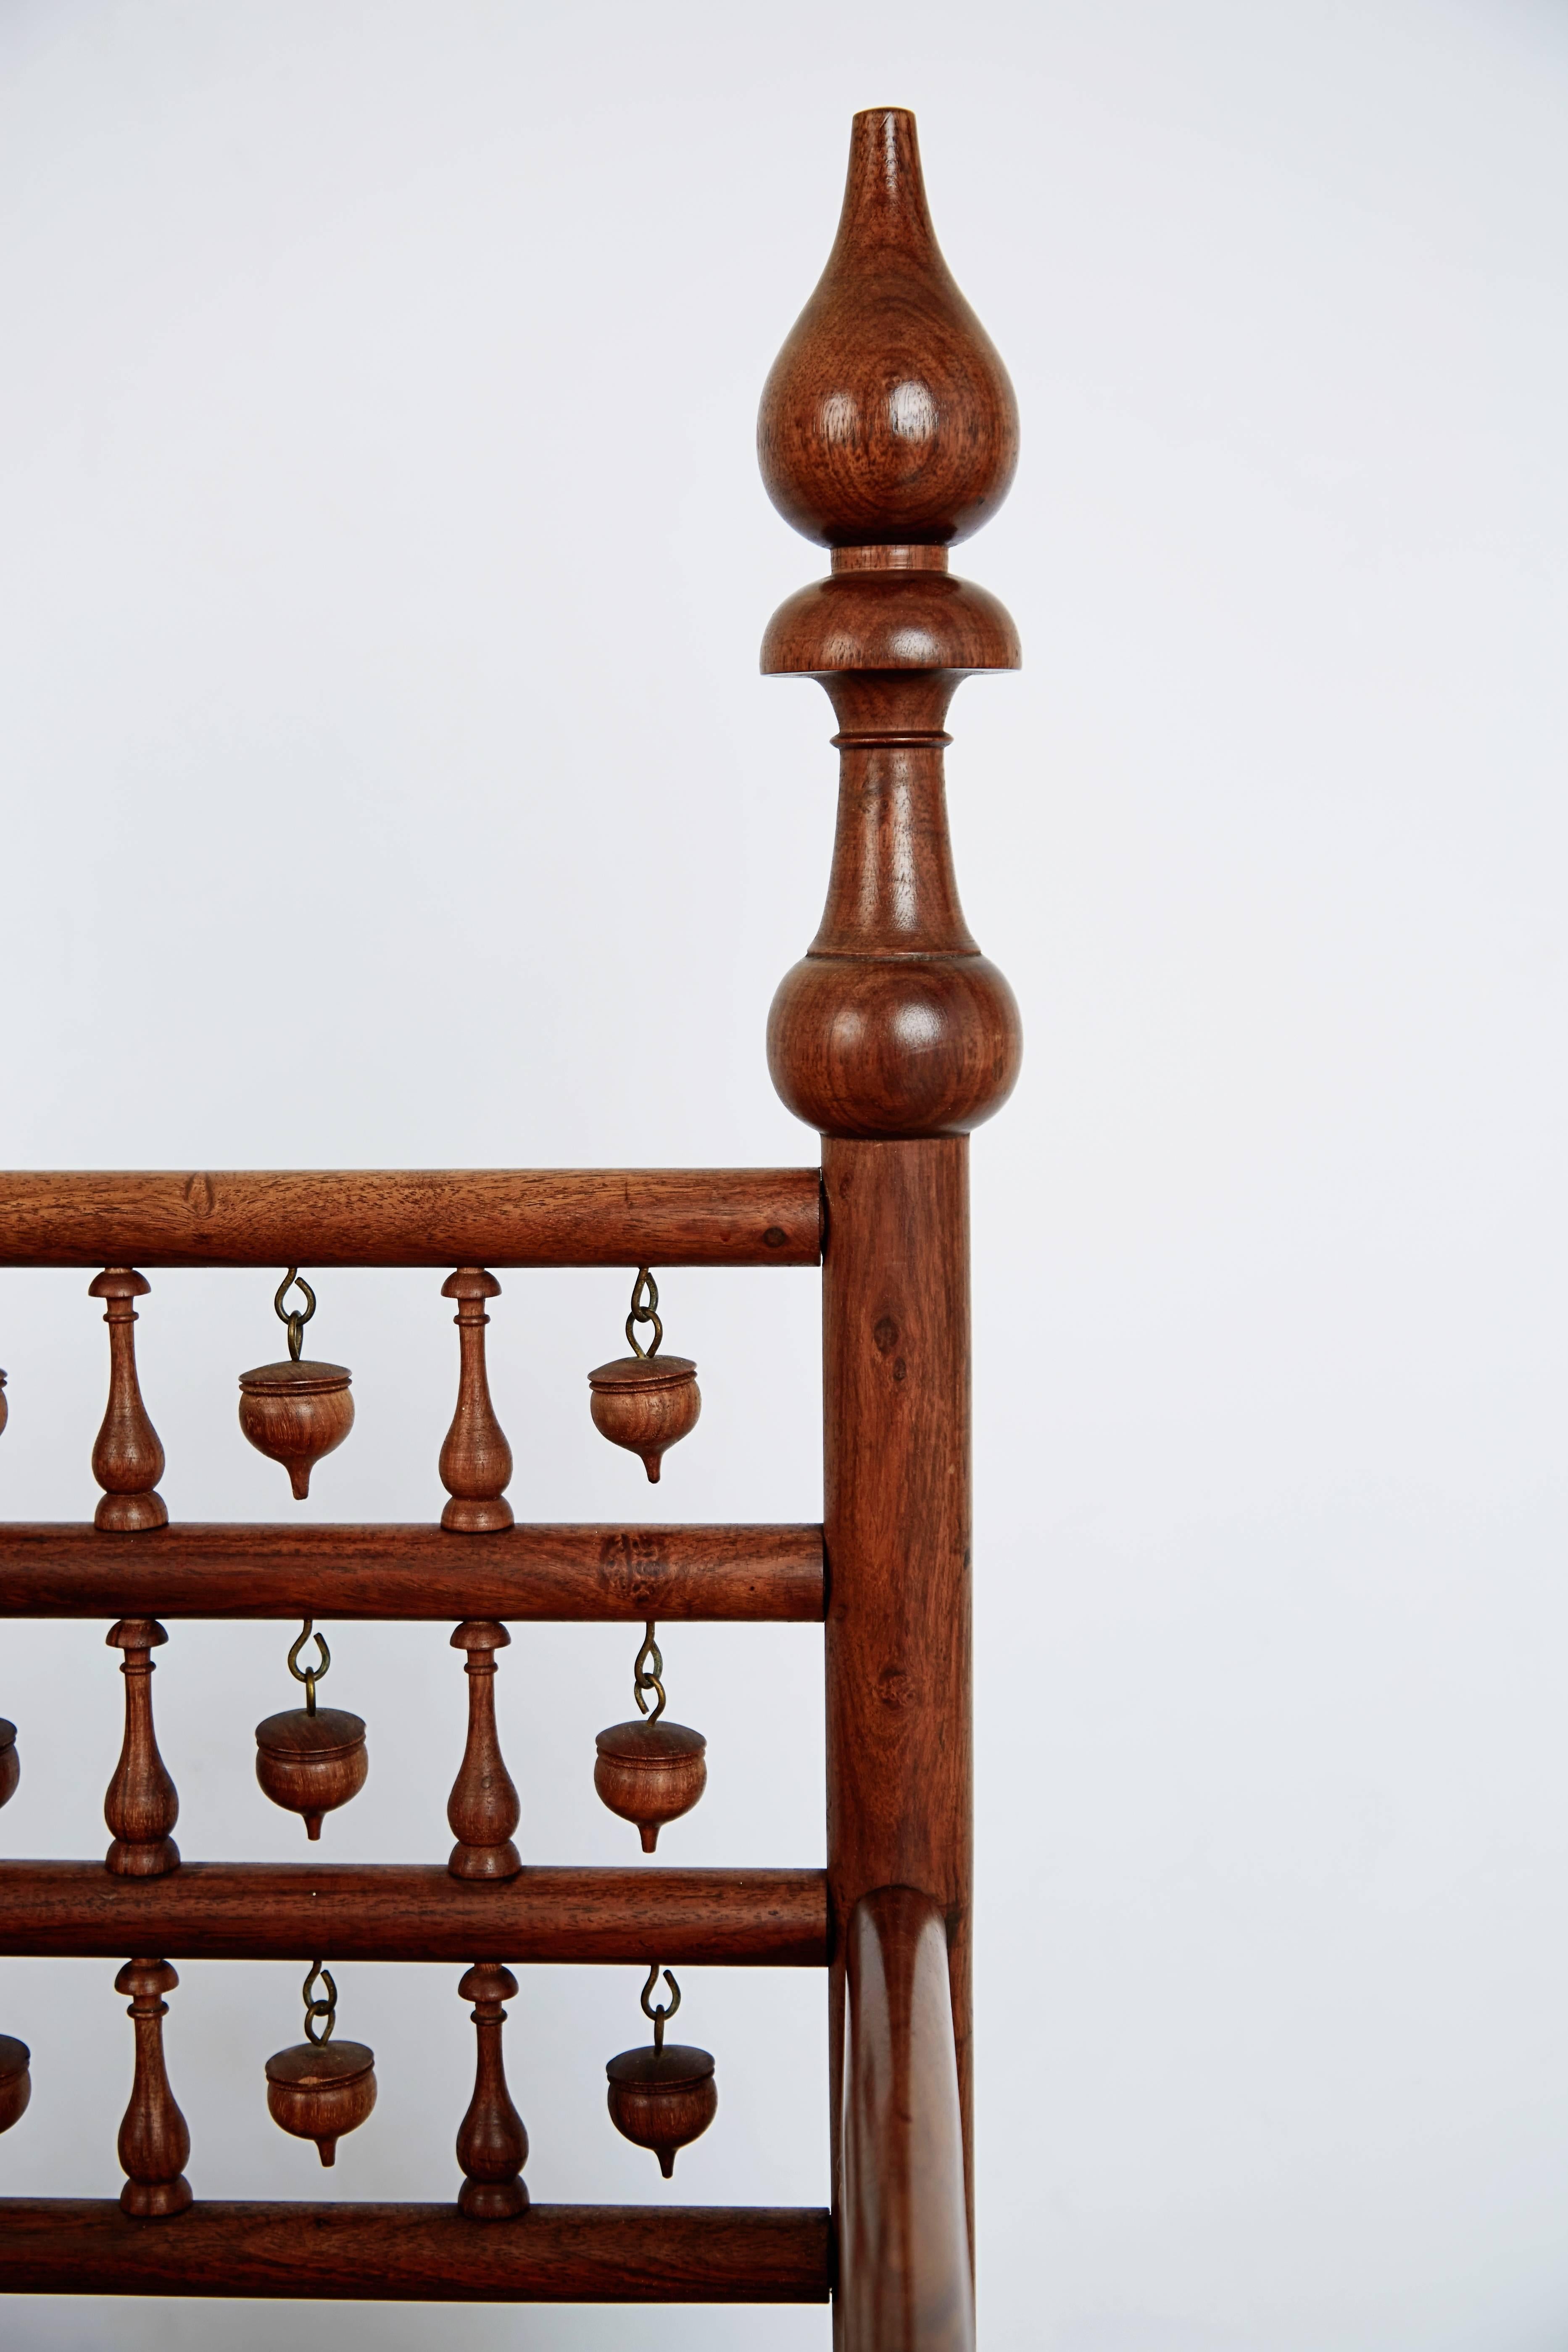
x,y
887,417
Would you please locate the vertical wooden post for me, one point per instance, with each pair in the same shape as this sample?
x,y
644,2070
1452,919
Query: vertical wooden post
x,y
888,430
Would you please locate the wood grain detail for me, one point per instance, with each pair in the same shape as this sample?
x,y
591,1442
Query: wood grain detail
x,y
481,1216
417,2253
560,1574
417,1911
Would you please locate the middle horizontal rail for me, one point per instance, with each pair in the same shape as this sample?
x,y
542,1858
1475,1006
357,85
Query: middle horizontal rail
x,y
623,1574
415,1911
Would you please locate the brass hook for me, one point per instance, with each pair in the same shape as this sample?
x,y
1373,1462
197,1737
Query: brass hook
x,y
309,1676
300,1316
645,1675
653,2009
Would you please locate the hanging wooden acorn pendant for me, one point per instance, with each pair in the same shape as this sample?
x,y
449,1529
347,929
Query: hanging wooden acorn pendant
x,y
319,2089
15,2081
644,1402
10,1762
311,1760
663,2097
295,1413
650,1772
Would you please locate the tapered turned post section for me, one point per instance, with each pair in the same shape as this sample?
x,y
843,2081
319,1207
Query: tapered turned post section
x,y
484,1809
127,1460
889,432
154,2140
141,1806
492,2145
476,1460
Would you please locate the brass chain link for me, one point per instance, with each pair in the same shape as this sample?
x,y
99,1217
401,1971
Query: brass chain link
x,y
295,1318
645,1675
315,2007
645,1309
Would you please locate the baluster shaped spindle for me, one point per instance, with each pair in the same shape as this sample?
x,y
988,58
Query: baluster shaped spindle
x,y
484,1809
141,1806
127,1460
492,2145
476,1460
154,2140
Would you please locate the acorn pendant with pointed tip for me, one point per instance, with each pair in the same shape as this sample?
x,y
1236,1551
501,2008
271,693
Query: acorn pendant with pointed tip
x,y
15,2081
311,1760
310,1763
644,1402
650,1773
319,2090
662,2096
296,1413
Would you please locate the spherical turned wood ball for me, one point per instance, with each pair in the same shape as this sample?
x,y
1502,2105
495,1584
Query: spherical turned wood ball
x,y
311,1764
647,1404
663,2099
15,2081
296,1413
650,1773
887,416
319,2090
10,1762
883,1047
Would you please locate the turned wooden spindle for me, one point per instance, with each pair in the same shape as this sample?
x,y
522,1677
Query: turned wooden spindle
x,y
127,1460
484,1809
141,1805
154,2140
476,1460
888,431
492,2145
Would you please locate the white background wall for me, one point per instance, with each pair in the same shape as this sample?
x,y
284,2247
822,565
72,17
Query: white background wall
x,y
388,780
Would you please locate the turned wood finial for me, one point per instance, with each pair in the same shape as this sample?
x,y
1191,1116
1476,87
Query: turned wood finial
x,y
141,1806
888,415
476,1460
484,1809
888,429
127,1460
154,2142
492,2145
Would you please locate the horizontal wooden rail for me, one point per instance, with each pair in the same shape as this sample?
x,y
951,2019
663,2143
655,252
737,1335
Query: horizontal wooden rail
x,y
59,1569
415,1911
417,2253
419,1216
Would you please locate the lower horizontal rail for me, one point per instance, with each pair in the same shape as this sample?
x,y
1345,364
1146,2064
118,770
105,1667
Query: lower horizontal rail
x,y
66,1568
413,1911
417,2253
